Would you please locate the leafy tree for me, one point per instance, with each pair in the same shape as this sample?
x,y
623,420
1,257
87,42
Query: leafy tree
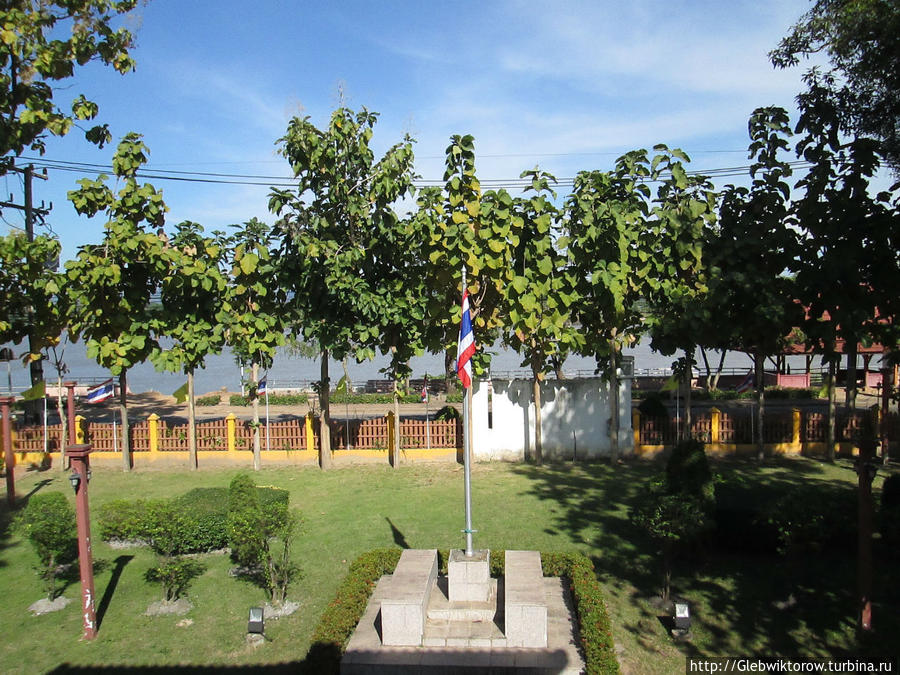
x,y
862,41
332,229
41,43
540,300
606,217
678,505
261,537
49,524
111,284
32,297
848,273
752,297
683,216
252,309
461,225
191,295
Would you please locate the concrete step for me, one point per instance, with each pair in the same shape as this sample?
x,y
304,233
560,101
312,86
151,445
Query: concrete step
x,y
441,609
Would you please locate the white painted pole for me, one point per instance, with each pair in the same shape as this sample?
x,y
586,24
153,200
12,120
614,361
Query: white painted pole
x,y
267,412
45,423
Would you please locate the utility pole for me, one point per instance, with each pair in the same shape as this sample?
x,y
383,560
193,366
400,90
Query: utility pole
x,y
36,367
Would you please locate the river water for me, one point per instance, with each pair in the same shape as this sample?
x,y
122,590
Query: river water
x,y
291,370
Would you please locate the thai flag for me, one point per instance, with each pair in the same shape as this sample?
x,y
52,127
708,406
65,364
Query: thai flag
x,y
746,383
465,349
101,392
261,387
425,391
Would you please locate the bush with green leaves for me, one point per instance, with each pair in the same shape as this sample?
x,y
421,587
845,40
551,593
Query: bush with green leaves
x,y
889,514
678,506
165,525
260,533
121,519
209,400
174,575
49,524
813,519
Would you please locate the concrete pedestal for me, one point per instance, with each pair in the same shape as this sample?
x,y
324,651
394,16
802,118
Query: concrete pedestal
x,y
469,577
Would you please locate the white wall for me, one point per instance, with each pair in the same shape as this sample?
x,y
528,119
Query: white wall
x,y
575,419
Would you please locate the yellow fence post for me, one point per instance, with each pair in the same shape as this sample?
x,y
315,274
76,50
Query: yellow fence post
x,y
230,431
310,436
79,429
153,431
636,429
795,430
715,425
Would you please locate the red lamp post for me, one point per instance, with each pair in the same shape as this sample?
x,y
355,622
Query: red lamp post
x,y
8,457
78,455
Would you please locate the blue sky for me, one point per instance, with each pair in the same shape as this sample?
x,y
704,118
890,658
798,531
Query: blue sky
x,y
563,85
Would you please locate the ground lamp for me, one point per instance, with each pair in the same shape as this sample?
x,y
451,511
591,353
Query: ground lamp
x,y
255,624
79,479
682,619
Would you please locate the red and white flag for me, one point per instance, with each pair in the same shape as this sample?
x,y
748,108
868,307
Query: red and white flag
x,y
465,348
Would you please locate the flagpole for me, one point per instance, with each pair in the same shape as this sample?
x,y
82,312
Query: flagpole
x,y
427,419
466,453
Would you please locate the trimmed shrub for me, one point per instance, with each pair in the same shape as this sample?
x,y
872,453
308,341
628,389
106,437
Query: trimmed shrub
x,y
212,399
447,413
49,524
340,617
203,518
245,521
174,575
121,519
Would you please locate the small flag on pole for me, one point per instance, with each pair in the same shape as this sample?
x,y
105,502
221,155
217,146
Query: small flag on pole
x,y
671,384
261,387
746,383
101,392
466,347
425,390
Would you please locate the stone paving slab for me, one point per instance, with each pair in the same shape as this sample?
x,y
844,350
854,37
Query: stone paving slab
x,y
365,654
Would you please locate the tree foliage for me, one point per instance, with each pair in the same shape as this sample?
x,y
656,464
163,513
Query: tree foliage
x,y
49,524
862,41
41,44
111,284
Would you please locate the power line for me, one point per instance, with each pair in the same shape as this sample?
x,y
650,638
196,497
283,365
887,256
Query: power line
x,y
286,181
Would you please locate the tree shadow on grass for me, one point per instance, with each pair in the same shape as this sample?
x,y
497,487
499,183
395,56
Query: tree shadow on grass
x,y
745,600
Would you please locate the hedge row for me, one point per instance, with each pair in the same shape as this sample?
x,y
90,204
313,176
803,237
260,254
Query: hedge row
x,y
205,513
340,618
772,394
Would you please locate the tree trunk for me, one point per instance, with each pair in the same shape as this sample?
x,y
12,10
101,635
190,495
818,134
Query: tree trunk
x,y
192,422
450,372
348,385
688,377
63,426
257,452
759,362
613,403
866,472
538,441
325,455
829,433
396,438
850,402
123,416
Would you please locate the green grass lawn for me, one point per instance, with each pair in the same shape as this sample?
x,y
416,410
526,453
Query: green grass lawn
x,y
735,598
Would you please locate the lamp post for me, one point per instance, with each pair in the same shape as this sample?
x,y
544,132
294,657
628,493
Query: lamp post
x,y
8,457
79,478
